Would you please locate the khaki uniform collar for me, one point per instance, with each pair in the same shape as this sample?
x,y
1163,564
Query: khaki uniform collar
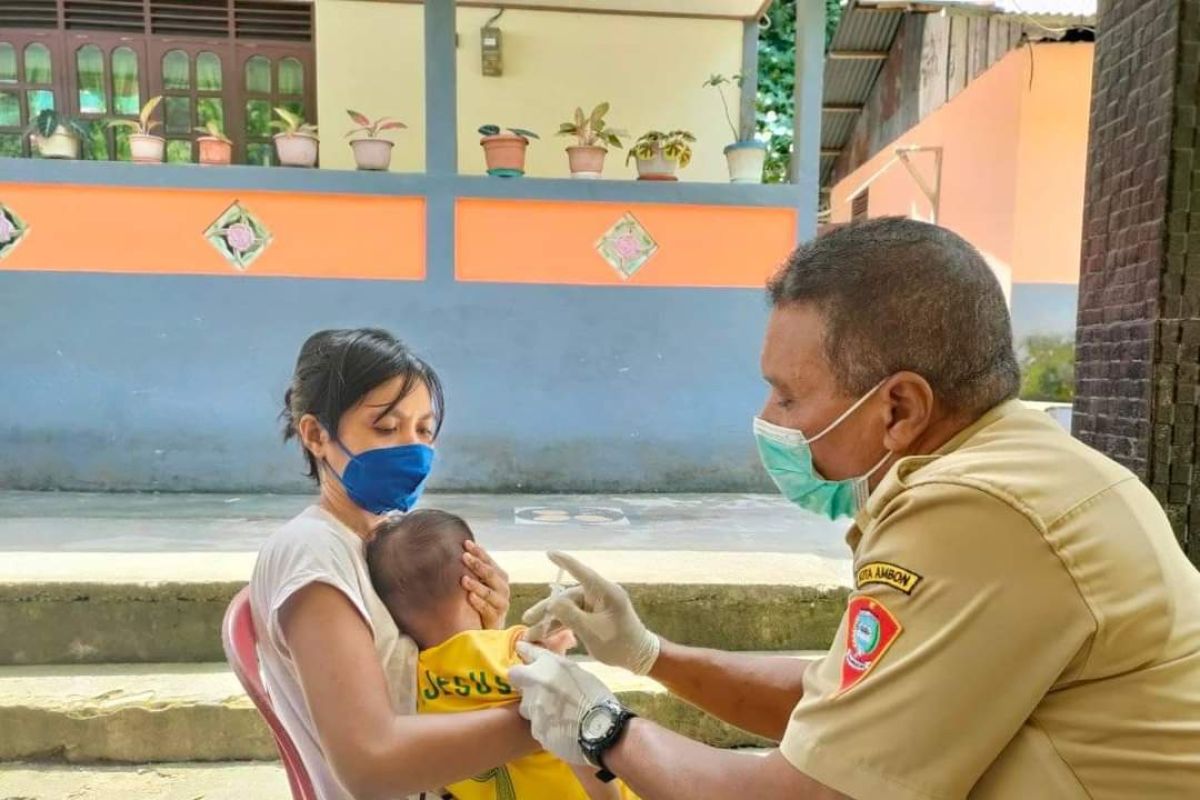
x,y
893,482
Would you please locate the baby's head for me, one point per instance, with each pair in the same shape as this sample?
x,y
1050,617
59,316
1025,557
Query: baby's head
x,y
417,569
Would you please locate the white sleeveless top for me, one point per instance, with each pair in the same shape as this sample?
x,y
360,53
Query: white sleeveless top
x,y
316,547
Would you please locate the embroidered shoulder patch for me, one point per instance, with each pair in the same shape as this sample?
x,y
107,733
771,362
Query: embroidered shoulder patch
x,y
871,631
887,574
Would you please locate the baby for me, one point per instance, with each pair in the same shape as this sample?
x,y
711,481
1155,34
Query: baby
x,y
416,567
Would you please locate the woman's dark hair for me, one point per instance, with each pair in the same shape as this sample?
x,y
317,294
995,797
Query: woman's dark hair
x,y
337,368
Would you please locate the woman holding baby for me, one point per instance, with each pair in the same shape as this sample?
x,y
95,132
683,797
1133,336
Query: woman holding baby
x,y
342,677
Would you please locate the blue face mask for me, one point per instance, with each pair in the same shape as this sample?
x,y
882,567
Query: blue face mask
x,y
787,455
386,479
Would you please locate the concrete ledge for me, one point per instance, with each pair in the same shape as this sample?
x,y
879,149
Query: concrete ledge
x,y
140,713
78,608
85,623
221,781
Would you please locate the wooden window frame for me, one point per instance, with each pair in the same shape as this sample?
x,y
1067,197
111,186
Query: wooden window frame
x,y
20,39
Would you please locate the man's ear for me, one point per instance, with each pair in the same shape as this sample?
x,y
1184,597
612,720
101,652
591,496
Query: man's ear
x,y
910,401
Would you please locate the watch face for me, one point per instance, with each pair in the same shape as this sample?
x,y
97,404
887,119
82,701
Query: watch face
x,y
597,723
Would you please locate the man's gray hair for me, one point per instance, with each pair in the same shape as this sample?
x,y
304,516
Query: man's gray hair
x,y
897,294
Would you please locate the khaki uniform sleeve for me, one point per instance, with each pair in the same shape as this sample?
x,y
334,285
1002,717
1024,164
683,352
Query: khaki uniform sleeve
x,y
938,664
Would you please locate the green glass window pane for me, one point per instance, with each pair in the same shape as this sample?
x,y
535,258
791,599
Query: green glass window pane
x,y
38,100
126,96
96,146
258,75
8,63
10,110
258,118
210,108
208,72
37,64
291,77
177,70
178,114
10,145
89,66
123,151
179,151
259,154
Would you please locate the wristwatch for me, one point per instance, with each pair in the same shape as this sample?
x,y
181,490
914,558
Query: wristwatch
x,y
600,729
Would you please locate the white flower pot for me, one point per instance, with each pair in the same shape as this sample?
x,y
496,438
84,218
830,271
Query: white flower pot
x,y
146,149
296,149
658,168
372,154
746,161
60,144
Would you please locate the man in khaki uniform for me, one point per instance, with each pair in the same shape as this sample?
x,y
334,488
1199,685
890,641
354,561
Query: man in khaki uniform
x,y
1023,623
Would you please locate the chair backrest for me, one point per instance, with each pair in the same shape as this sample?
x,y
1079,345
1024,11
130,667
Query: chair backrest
x,y
241,651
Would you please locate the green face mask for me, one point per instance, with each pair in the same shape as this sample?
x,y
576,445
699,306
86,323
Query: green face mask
x,y
787,456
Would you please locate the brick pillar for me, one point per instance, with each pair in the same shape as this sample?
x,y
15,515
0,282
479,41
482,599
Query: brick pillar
x,y
1138,356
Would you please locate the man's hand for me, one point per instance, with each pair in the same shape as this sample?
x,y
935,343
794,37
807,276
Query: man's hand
x,y
555,694
600,614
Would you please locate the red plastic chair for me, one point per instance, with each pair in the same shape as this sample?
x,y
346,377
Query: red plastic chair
x,y
241,651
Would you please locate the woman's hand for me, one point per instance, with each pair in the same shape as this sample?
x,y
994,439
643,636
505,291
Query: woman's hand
x,y
487,586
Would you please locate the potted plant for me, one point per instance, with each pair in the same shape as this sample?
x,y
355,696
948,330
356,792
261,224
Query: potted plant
x,y
56,136
659,154
371,151
296,142
745,156
505,152
592,133
215,146
144,146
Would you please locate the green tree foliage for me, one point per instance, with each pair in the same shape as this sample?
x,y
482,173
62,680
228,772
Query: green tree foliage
x,y
777,80
1048,368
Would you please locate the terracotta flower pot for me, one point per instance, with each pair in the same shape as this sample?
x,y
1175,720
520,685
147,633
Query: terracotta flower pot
x,y
373,154
505,154
296,149
746,161
146,149
658,168
60,144
214,150
586,161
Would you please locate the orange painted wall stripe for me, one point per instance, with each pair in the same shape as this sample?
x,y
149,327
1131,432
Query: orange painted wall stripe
x,y
533,241
161,231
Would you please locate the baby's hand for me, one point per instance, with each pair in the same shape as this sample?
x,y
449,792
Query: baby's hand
x,y
560,641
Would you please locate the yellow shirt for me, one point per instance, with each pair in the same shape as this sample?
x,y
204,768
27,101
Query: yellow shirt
x,y
469,672
1024,625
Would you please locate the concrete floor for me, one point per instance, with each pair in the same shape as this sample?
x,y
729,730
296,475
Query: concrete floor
x,y
177,523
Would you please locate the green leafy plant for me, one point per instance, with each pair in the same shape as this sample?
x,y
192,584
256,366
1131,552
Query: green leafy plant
x,y
292,124
494,130
1048,368
372,128
591,130
674,146
143,125
719,82
213,130
48,121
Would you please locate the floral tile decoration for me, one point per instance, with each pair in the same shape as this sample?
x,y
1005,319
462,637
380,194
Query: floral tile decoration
x,y
626,246
12,229
238,236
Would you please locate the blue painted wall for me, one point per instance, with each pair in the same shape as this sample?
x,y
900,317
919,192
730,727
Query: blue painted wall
x,y
119,382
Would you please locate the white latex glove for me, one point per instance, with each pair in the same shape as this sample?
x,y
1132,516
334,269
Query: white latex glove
x,y
555,694
601,615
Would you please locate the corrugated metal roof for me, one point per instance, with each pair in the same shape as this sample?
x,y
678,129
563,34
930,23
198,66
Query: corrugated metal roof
x,y
836,127
849,81
870,30
1058,8
1083,11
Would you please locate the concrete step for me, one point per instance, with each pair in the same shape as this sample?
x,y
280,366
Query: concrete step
x,y
95,608
144,713
219,781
